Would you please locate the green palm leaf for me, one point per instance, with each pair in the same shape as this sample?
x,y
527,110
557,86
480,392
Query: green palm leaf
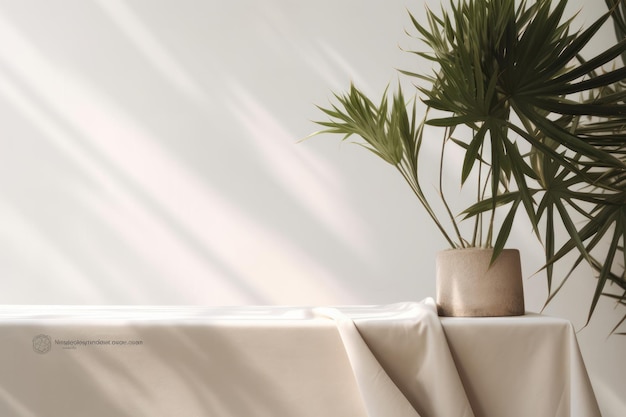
x,y
547,129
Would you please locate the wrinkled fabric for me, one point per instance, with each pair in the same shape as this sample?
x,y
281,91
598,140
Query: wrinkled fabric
x,y
401,360
529,365
397,360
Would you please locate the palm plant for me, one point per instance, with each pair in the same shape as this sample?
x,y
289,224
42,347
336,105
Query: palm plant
x,y
539,126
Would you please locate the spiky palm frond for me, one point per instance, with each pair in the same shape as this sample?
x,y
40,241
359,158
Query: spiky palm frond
x,y
548,127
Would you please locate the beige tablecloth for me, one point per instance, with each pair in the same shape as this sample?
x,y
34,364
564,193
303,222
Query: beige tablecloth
x,y
521,366
374,361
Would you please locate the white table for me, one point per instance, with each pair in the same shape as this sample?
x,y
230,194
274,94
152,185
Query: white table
x,y
374,361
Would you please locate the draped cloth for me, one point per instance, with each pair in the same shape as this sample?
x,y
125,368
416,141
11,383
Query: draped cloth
x,y
397,360
400,359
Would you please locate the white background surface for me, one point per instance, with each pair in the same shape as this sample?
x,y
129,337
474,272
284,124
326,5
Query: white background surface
x,y
149,156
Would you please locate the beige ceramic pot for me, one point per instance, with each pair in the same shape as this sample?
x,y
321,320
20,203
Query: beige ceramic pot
x,y
468,286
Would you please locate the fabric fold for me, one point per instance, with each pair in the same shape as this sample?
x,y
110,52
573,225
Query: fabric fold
x,y
401,360
381,397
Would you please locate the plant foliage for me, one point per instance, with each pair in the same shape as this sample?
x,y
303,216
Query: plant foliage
x,y
547,129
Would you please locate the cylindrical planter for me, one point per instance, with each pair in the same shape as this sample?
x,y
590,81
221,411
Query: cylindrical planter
x,y
467,286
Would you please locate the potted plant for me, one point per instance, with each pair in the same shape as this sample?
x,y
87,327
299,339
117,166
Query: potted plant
x,y
542,131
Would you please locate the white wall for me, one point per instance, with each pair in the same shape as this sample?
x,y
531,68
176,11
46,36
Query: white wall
x,y
149,156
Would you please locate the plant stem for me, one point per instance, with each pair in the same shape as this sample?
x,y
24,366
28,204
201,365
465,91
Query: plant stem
x,y
414,184
441,193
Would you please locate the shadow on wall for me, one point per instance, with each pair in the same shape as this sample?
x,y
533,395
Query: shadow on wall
x,y
128,216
